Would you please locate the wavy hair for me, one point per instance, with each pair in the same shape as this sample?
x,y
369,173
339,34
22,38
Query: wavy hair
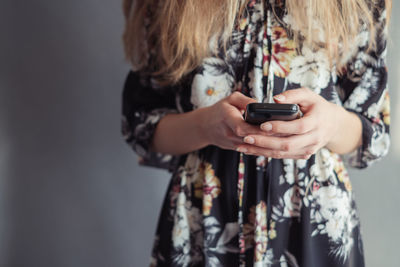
x,y
181,30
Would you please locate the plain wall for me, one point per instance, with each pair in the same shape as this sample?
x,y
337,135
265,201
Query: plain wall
x,y
71,192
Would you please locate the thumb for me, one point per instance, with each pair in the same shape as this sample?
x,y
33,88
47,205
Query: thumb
x,y
240,100
302,96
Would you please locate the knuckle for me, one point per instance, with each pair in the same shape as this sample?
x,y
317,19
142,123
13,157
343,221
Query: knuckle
x,y
301,127
292,93
314,149
248,152
238,130
234,95
230,98
276,127
224,112
305,156
307,90
320,140
251,152
316,141
226,132
276,154
310,151
286,146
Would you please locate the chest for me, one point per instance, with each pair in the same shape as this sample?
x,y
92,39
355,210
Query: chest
x,y
262,60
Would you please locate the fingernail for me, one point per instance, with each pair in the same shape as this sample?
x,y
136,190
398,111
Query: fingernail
x,y
279,97
249,140
266,127
241,149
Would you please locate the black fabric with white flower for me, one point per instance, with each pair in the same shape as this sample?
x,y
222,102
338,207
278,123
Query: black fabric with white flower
x,y
225,208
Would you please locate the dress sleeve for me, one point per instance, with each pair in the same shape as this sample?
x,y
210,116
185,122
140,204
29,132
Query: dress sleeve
x,y
365,90
143,106
145,103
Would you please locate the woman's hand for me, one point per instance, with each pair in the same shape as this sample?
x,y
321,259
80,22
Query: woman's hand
x,y
316,129
223,123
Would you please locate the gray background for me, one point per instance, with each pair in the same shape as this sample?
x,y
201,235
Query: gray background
x,y
71,192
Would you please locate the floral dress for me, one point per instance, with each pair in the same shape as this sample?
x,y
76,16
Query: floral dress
x,y
226,208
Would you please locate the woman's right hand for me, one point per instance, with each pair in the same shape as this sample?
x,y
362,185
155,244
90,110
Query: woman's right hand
x,y
223,124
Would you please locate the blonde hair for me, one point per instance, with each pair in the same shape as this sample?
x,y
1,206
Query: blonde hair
x,y
180,31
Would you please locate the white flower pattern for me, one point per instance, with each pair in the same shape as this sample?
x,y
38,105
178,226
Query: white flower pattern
x,y
212,84
311,69
219,221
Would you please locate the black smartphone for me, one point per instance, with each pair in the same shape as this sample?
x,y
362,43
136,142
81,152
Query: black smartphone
x,y
257,113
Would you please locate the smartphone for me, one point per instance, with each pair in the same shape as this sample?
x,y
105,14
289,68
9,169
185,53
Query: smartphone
x,y
257,113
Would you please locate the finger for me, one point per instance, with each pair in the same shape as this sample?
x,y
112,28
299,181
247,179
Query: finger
x,y
240,100
299,126
302,96
304,153
234,139
290,143
239,126
279,134
266,142
231,143
276,154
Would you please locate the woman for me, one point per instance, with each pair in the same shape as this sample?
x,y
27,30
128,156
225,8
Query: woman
x,y
277,194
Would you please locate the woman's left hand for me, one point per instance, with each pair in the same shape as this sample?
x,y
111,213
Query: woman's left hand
x,y
300,138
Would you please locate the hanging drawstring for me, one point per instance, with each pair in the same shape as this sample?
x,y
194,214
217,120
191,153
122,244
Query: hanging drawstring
x,y
270,176
240,186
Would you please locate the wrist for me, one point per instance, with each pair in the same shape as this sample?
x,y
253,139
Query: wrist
x,y
337,120
201,119
347,131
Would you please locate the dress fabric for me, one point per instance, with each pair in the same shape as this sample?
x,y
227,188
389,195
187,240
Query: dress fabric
x,y
226,208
